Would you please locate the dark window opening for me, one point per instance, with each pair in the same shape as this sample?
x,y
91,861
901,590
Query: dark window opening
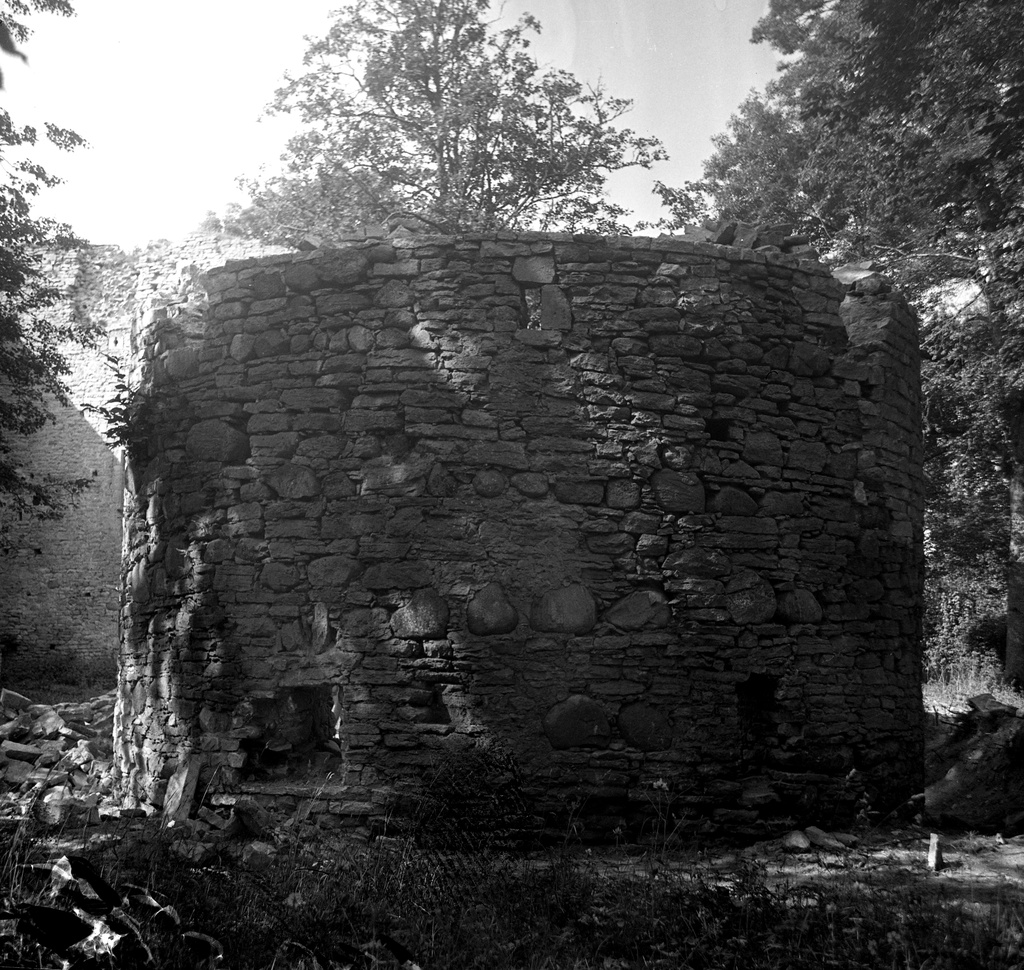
x,y
717,428
757,711
296,734
429,707
531,307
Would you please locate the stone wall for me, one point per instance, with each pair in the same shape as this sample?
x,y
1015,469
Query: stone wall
x,y
61,579
640,518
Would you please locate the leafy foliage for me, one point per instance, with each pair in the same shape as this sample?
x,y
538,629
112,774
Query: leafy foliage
x,y
843,187
423,107
32,366
127,415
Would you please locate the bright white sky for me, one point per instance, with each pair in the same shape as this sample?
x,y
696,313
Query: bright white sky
x,y
169,96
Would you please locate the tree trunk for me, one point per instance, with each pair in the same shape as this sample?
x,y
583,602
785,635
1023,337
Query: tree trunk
x,y
1014,666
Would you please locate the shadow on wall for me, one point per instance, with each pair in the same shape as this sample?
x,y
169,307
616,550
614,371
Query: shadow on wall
x,y
61,580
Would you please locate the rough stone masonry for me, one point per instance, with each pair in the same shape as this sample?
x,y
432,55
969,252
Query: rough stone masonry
x,y
644,516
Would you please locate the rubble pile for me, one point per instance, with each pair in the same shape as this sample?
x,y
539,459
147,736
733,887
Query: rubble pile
x,y
779,238
976,770
55,760
56,768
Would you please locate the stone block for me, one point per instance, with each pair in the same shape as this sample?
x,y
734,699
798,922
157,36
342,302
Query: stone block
x,y
570,609
807,455
645,727
47,724
15,772
733,501
271,343
440,483
697,562
762,448
676,345
181,790
622,494
301,277
279,576
17,729
750,598
531,484
395,293
182,363
399,575
799,606
821,839
341,304
534,269
293,481
424,617
491,613
795,842
580,492
644,609
313,398
216,440
342,268
13,701
617,544
332,572
577,722
489,483
652,546
21,752
677,492
808,360
54,807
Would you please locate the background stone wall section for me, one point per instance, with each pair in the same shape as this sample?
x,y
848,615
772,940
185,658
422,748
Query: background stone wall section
x,y
643,514
60,607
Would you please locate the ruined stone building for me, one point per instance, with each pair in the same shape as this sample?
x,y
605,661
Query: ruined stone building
x,y
626,515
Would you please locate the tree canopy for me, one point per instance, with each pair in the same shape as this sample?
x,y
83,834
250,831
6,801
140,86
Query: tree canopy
x,y
32,366
427,107
896,133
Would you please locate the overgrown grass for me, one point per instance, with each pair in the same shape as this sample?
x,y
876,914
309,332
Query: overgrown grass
x,y
388,904
949,683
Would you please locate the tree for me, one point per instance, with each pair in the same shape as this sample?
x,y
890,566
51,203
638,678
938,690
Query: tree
x,y
32,366
424,106
903,141
781,162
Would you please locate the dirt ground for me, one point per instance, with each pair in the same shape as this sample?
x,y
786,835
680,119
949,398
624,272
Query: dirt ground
x,y
974,802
